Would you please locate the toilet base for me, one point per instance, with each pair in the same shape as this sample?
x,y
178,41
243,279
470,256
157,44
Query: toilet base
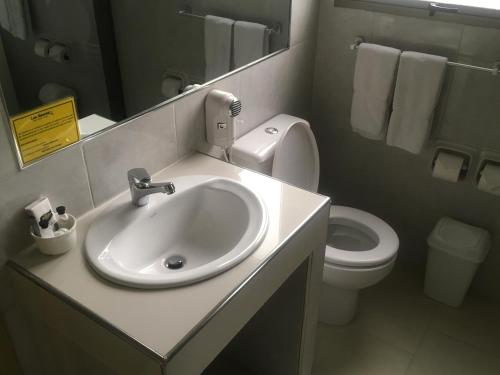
x,y
337,306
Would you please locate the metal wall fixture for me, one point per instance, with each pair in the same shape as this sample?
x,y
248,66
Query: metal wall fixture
x,y
275,29
495,70
436,7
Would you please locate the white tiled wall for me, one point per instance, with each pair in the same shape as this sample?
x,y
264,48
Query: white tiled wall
x,y
149,142
392,183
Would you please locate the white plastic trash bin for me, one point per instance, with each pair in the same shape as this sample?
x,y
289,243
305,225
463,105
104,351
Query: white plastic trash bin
x,y
455,252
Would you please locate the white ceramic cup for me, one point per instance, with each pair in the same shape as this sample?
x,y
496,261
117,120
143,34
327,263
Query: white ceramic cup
x,y
59,244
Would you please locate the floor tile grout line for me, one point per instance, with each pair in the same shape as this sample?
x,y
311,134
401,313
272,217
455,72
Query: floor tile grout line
x,y
383,341
377,339
463,342
408,367
419,346
425,331
455,338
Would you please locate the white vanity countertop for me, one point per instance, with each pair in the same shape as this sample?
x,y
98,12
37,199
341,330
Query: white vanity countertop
x,y
139,313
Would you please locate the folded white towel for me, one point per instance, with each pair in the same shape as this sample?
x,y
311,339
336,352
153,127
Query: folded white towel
x,y
418,86
251,42
374,77
13,17
218,46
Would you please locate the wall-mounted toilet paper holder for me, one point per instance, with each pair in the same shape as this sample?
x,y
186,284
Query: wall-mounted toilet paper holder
x,y
47,48
486,157
487,177
451,163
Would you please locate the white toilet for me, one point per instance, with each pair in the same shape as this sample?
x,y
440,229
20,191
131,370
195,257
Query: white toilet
x,y
361,248
360,251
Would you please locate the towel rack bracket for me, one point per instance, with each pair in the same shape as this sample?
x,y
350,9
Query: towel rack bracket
x,y
357,42
496,68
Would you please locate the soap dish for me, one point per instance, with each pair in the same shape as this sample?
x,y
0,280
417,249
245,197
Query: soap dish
x,y
59,244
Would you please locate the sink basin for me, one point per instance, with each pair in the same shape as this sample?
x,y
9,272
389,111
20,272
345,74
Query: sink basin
x,y
208,226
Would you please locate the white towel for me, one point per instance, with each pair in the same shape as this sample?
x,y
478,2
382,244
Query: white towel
x,y
218,45
251,42
13,17
419,82
374,77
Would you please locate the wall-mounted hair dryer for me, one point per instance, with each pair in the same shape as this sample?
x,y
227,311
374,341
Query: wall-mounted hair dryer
x,y
221,110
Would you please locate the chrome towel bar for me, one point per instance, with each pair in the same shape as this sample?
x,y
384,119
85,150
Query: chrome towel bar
x,y
495,70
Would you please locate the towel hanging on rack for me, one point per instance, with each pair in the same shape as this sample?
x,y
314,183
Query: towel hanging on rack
x,y
275,29
218,46
13,17
373,88
250,43
418,87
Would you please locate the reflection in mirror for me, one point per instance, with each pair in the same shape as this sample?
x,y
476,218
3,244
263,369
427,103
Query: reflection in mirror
x,y
118,58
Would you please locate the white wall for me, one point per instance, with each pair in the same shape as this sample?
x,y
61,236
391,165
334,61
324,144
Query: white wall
x,y
94,171
392,183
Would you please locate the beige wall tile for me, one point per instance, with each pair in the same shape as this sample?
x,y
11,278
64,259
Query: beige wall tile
x,y
422,35
481,43
279,85
304,20
147,142
62,178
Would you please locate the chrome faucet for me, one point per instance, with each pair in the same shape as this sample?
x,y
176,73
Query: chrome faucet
x,y
141,186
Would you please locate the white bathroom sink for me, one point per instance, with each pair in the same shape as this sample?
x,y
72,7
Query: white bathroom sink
x,y
207,226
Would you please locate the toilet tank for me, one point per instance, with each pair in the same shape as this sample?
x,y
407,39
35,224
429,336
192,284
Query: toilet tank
x,y
255,150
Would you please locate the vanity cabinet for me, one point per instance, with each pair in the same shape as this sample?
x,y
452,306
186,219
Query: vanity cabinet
x,y
257,318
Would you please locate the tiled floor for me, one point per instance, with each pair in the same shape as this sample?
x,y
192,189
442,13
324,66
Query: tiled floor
x,y
399,331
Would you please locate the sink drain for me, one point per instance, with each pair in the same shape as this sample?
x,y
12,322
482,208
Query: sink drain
x,y
175,262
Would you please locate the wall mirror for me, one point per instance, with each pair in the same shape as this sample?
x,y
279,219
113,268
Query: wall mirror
x,y
119,58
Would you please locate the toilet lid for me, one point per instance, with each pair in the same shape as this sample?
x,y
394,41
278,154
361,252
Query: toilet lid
x,y
296,160
386,241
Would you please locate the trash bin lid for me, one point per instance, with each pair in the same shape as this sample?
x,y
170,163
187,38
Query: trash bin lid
x,y
461,240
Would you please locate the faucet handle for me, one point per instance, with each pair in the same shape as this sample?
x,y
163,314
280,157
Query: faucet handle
x,y
138,176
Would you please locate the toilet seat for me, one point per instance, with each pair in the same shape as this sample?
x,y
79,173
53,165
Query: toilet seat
x,y
297,147
385,239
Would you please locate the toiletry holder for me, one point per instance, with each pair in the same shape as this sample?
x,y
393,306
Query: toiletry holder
x,y
59,244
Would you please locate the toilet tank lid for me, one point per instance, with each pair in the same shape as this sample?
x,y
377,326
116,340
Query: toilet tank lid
x,y
259,145
461,240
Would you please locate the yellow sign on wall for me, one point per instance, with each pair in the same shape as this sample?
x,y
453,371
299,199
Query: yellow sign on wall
x,y
46,129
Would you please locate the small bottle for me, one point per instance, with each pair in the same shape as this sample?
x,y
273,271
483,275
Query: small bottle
x,y
46,230
63,216
34,226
